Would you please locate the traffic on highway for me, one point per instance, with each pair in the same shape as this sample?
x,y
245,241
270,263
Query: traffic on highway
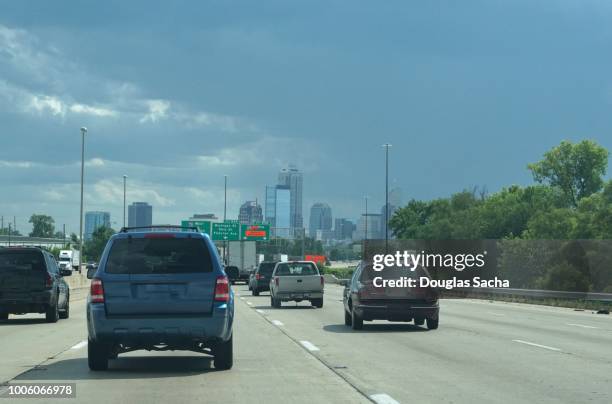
x,y
306,202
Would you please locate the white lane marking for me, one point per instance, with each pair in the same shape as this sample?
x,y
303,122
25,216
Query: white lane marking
x,y
260,311
582,325
241,298
249,303
80,345
383,398
495,314
534,344
309,345
277,323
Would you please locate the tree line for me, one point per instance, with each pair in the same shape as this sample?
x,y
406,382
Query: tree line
x,y
569,201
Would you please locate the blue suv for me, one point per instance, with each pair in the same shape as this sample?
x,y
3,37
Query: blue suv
x,y
159,288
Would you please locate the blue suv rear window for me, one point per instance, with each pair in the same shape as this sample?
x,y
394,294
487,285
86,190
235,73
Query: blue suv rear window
x,y
158,256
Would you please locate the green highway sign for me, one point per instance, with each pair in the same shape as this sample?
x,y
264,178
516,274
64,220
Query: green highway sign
x,y
255,232
202,225
228,230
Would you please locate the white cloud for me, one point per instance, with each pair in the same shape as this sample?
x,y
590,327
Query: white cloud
x,y
111,192
95,162
45,103
158,109
89,110
16,164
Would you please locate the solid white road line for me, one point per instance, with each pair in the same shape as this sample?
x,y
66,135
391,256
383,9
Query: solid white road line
x,y
80,345
309,345
583,326
534,344
277,323
383,398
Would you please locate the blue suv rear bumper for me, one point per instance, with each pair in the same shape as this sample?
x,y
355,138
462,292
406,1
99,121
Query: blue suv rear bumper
x,y
173,330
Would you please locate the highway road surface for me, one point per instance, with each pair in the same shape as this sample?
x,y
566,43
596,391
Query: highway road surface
x,y
484,351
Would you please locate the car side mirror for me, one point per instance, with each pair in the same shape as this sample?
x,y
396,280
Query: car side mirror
x,y
91,272
65,272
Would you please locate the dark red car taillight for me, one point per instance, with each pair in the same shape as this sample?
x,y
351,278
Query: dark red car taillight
x,y
96,291
276,280
258,276
48,281
322,281
222,289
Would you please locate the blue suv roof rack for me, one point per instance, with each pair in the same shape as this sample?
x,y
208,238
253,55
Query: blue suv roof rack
x,y
160,228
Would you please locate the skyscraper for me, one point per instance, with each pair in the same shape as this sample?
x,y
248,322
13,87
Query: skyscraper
x,y
270,205
282,212
140,214
292,178
320,218
373,227
93,220
343,229
250,213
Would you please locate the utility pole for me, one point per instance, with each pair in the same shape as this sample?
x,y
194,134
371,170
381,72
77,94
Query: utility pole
x,y
225,216
14,223
9,235
386,146
64,231
124,182
83,132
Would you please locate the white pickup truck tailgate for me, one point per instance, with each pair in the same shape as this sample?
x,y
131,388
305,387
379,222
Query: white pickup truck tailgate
x,y
297,283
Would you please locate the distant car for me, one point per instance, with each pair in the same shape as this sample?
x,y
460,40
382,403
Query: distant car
x,y
233,273
31,282
159,289
296,281
363,301
91,266
260,278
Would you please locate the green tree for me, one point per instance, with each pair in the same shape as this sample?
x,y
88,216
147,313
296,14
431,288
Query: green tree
x,y
93,248
42,226
577,169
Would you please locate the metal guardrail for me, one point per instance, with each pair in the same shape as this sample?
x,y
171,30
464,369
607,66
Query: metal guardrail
x,y
535,293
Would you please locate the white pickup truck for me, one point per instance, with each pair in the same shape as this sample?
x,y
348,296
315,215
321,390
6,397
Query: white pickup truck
x,y
296,281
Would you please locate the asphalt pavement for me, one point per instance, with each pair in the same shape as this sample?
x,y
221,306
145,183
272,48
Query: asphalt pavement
x,y
491,352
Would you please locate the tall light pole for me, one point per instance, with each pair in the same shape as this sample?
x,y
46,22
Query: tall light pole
x,y
386,146
83,132
124,182
366,217
225,215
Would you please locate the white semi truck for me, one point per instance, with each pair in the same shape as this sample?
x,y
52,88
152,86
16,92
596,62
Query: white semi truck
x,y
68,259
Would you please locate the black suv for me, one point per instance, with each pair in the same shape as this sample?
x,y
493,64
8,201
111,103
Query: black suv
x,y
31,282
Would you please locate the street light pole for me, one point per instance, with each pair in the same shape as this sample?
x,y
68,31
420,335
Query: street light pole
x,y
124,181
386,146
225,215
366,217
83,132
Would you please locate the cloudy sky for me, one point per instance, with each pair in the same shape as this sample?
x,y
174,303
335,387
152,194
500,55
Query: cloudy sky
x,y
175,95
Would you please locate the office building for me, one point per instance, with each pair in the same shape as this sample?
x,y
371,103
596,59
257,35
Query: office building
x,y
140,214
343,229
291,177
320,218
94,220
368,227
270,205
282,212
250,213
278,210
